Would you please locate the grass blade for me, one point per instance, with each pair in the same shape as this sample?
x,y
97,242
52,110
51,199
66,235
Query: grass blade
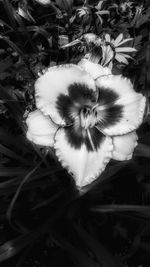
x,y
112,208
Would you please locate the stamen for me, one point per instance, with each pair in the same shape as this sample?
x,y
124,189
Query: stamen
x,y
90,139
100,130
88,117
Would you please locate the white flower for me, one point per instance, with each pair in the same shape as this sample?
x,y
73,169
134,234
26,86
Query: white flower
x,y
113,49
87,114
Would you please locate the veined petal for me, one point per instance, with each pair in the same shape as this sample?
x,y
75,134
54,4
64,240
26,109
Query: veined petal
x,y
121,59
125,49
125,113
108,55
125,55
124,146
55,82
85,165
125,41
95,70
118,39
41,130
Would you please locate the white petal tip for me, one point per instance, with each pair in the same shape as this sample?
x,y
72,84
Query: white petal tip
x,y
85,166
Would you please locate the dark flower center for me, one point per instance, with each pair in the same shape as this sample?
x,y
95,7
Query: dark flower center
x,y
88,117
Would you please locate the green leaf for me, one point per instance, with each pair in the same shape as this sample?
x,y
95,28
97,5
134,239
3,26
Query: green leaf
x,y
13,247
41,31
142,150
10,12
141,210
65,5
78,256
107,174
5,64
10,208
11,171
6,151
143,18
19,51
104,257
25,14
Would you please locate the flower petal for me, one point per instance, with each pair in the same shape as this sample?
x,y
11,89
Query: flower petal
x,y
124,55
125,41
118,39
108,56
55,82
125,49
85,165
121,59
41,130
124,146
125,113
95,70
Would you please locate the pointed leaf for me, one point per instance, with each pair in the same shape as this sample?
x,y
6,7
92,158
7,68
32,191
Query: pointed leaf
x,y
65,4
78,256
5,64
11,171
144,210
26,15
104,257
6,151
142,151
10,12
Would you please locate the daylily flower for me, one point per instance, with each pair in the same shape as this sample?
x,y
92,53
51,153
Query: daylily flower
x,y
88,115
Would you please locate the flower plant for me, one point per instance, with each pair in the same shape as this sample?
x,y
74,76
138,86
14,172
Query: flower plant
x,y
83,111
74,133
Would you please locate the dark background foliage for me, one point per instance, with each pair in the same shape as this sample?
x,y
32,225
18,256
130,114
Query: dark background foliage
x,y
44,220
